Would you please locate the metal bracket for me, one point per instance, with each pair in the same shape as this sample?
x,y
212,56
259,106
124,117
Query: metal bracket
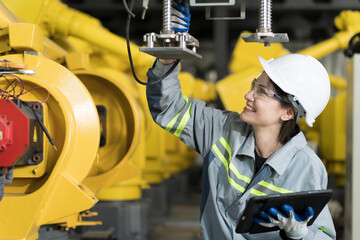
x,y
265,37
171,46
239,3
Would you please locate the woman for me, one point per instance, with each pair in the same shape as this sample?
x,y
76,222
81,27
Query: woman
x,y
259,152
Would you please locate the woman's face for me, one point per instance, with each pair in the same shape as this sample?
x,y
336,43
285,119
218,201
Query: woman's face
x,y
262,108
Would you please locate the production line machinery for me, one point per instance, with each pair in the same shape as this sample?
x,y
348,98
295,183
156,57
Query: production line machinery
x,y
106,176
119,170
50,103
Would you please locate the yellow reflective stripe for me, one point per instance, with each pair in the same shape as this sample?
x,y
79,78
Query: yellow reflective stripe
x,y
173,121
238,175
274,188
232,167
257,193
224,161
327,231
226,146
183,122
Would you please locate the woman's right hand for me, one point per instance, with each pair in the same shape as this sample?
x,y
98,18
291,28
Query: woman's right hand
x,y
167,61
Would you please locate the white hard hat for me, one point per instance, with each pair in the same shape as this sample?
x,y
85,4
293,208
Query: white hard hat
x,y
305,80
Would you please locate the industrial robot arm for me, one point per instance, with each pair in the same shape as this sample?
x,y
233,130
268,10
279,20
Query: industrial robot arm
x,y
6,177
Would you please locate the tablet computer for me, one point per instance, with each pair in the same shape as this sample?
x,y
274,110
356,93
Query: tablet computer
x,y
317,199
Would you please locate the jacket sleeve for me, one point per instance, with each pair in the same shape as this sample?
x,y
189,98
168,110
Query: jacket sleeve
x,y
195,124
323,226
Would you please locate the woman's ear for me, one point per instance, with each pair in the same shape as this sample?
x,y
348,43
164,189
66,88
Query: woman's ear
x,y
288,114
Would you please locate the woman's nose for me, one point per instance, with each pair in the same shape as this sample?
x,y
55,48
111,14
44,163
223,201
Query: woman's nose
x,y
249,95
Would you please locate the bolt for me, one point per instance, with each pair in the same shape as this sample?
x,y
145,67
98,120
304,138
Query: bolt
x,y
8,123
9,142
2,148
25,145
36,107
3,116
36,158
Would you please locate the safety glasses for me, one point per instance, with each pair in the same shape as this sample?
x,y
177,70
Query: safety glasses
x,y
261,90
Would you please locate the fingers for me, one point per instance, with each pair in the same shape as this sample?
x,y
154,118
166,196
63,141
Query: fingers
x,y
305,216
308,214
287,210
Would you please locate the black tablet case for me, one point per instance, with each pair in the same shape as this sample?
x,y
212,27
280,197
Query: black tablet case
x,y
317,199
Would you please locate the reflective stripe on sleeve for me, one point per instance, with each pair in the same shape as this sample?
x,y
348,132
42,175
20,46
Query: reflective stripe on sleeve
x,y
184,120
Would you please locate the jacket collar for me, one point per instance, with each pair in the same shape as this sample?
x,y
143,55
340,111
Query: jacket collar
x,y
280,160
249,145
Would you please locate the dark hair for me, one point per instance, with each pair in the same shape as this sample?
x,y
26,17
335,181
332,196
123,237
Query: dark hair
x,y
289,128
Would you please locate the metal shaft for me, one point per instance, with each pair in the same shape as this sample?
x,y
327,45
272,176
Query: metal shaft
x,y
264,16
166,16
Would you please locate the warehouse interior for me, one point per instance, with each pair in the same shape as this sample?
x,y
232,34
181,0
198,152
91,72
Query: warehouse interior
x,y
88,160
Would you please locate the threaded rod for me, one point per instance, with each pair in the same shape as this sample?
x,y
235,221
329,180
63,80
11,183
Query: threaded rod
x,y
166,15
265,16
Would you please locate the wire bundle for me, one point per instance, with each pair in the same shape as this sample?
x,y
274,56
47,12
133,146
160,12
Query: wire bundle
x,y
9,92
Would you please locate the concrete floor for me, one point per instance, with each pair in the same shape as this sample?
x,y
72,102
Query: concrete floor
x,y
182,224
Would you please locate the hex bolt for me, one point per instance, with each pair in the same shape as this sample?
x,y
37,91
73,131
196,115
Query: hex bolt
x,y
2,148
36,107
36,158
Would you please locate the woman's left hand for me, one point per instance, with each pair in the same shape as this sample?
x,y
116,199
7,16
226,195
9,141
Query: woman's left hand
x,y
294,225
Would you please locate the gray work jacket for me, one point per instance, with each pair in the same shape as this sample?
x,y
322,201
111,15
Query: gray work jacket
x,y
227,145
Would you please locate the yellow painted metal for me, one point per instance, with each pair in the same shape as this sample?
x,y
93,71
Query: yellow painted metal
x,y
333,136
333,128
109,64
59,19
154,171
33,40
74,125
245,54
348,24
119,159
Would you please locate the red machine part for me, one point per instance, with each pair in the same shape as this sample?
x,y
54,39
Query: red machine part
x,y
5,132
14,133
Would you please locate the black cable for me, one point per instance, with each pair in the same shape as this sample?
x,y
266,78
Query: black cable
x,y
127,9
42,125
130,57
354,46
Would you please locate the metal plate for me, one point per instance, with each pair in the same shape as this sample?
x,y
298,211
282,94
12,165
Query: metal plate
x,y
171,53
